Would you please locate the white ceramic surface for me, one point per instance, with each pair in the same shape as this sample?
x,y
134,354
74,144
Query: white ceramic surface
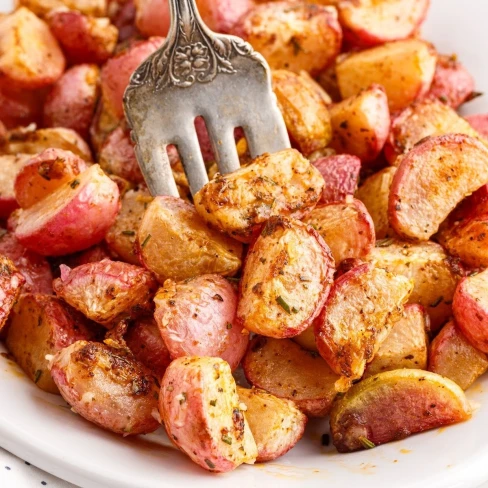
x,y
41,429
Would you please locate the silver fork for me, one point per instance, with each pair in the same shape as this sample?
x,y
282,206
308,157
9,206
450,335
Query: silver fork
x,y
199,73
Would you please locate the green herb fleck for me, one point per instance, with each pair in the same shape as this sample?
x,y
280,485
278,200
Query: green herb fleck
x,y
297,48
37,375
227,439
437,302
283,305
233,280
366,443
213,403
210,464
128,233
294,310
74,184
146,240
228,325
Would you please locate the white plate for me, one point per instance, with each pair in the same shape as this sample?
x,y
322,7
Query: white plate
x,y
41,429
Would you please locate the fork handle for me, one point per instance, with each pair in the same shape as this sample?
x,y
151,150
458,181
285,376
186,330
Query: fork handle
x,y
184,14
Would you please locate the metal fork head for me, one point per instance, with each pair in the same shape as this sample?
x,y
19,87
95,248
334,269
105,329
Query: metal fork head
x,y
199,73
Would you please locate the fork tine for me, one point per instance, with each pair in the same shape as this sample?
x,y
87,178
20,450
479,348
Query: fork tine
x,y
224,146
266,134
191,157
156,168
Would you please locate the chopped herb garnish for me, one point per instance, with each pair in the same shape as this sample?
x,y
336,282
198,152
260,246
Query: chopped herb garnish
x,y
437,302
37,375
297,48
283,305
366,443
210,464
228,325
213,403
146,240
74,184
294,310
128,233
233,280
227,439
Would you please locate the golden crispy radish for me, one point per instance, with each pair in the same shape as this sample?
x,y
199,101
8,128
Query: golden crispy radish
x,y
30,56
347,228
357,317
453,83
371,22
463,233
286,279
404,68
470,307
394,405
239,203
42,325
467,240
107,291
432,179
307,339
97,8
203,416
285,370
11,166
74,217
72,99
11,282
174,243
434,275
34,268
84,39
406,344
374,193
144,340
341,176
197,317
276,423
293,35
35,141
420,120
304,110
44,173
107,386
361,124
121,237
451,355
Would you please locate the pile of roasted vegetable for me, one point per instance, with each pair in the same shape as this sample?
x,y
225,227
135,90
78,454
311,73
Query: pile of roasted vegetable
x,y
367,304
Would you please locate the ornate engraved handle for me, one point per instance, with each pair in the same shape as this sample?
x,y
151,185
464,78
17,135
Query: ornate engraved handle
x,y
192,52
